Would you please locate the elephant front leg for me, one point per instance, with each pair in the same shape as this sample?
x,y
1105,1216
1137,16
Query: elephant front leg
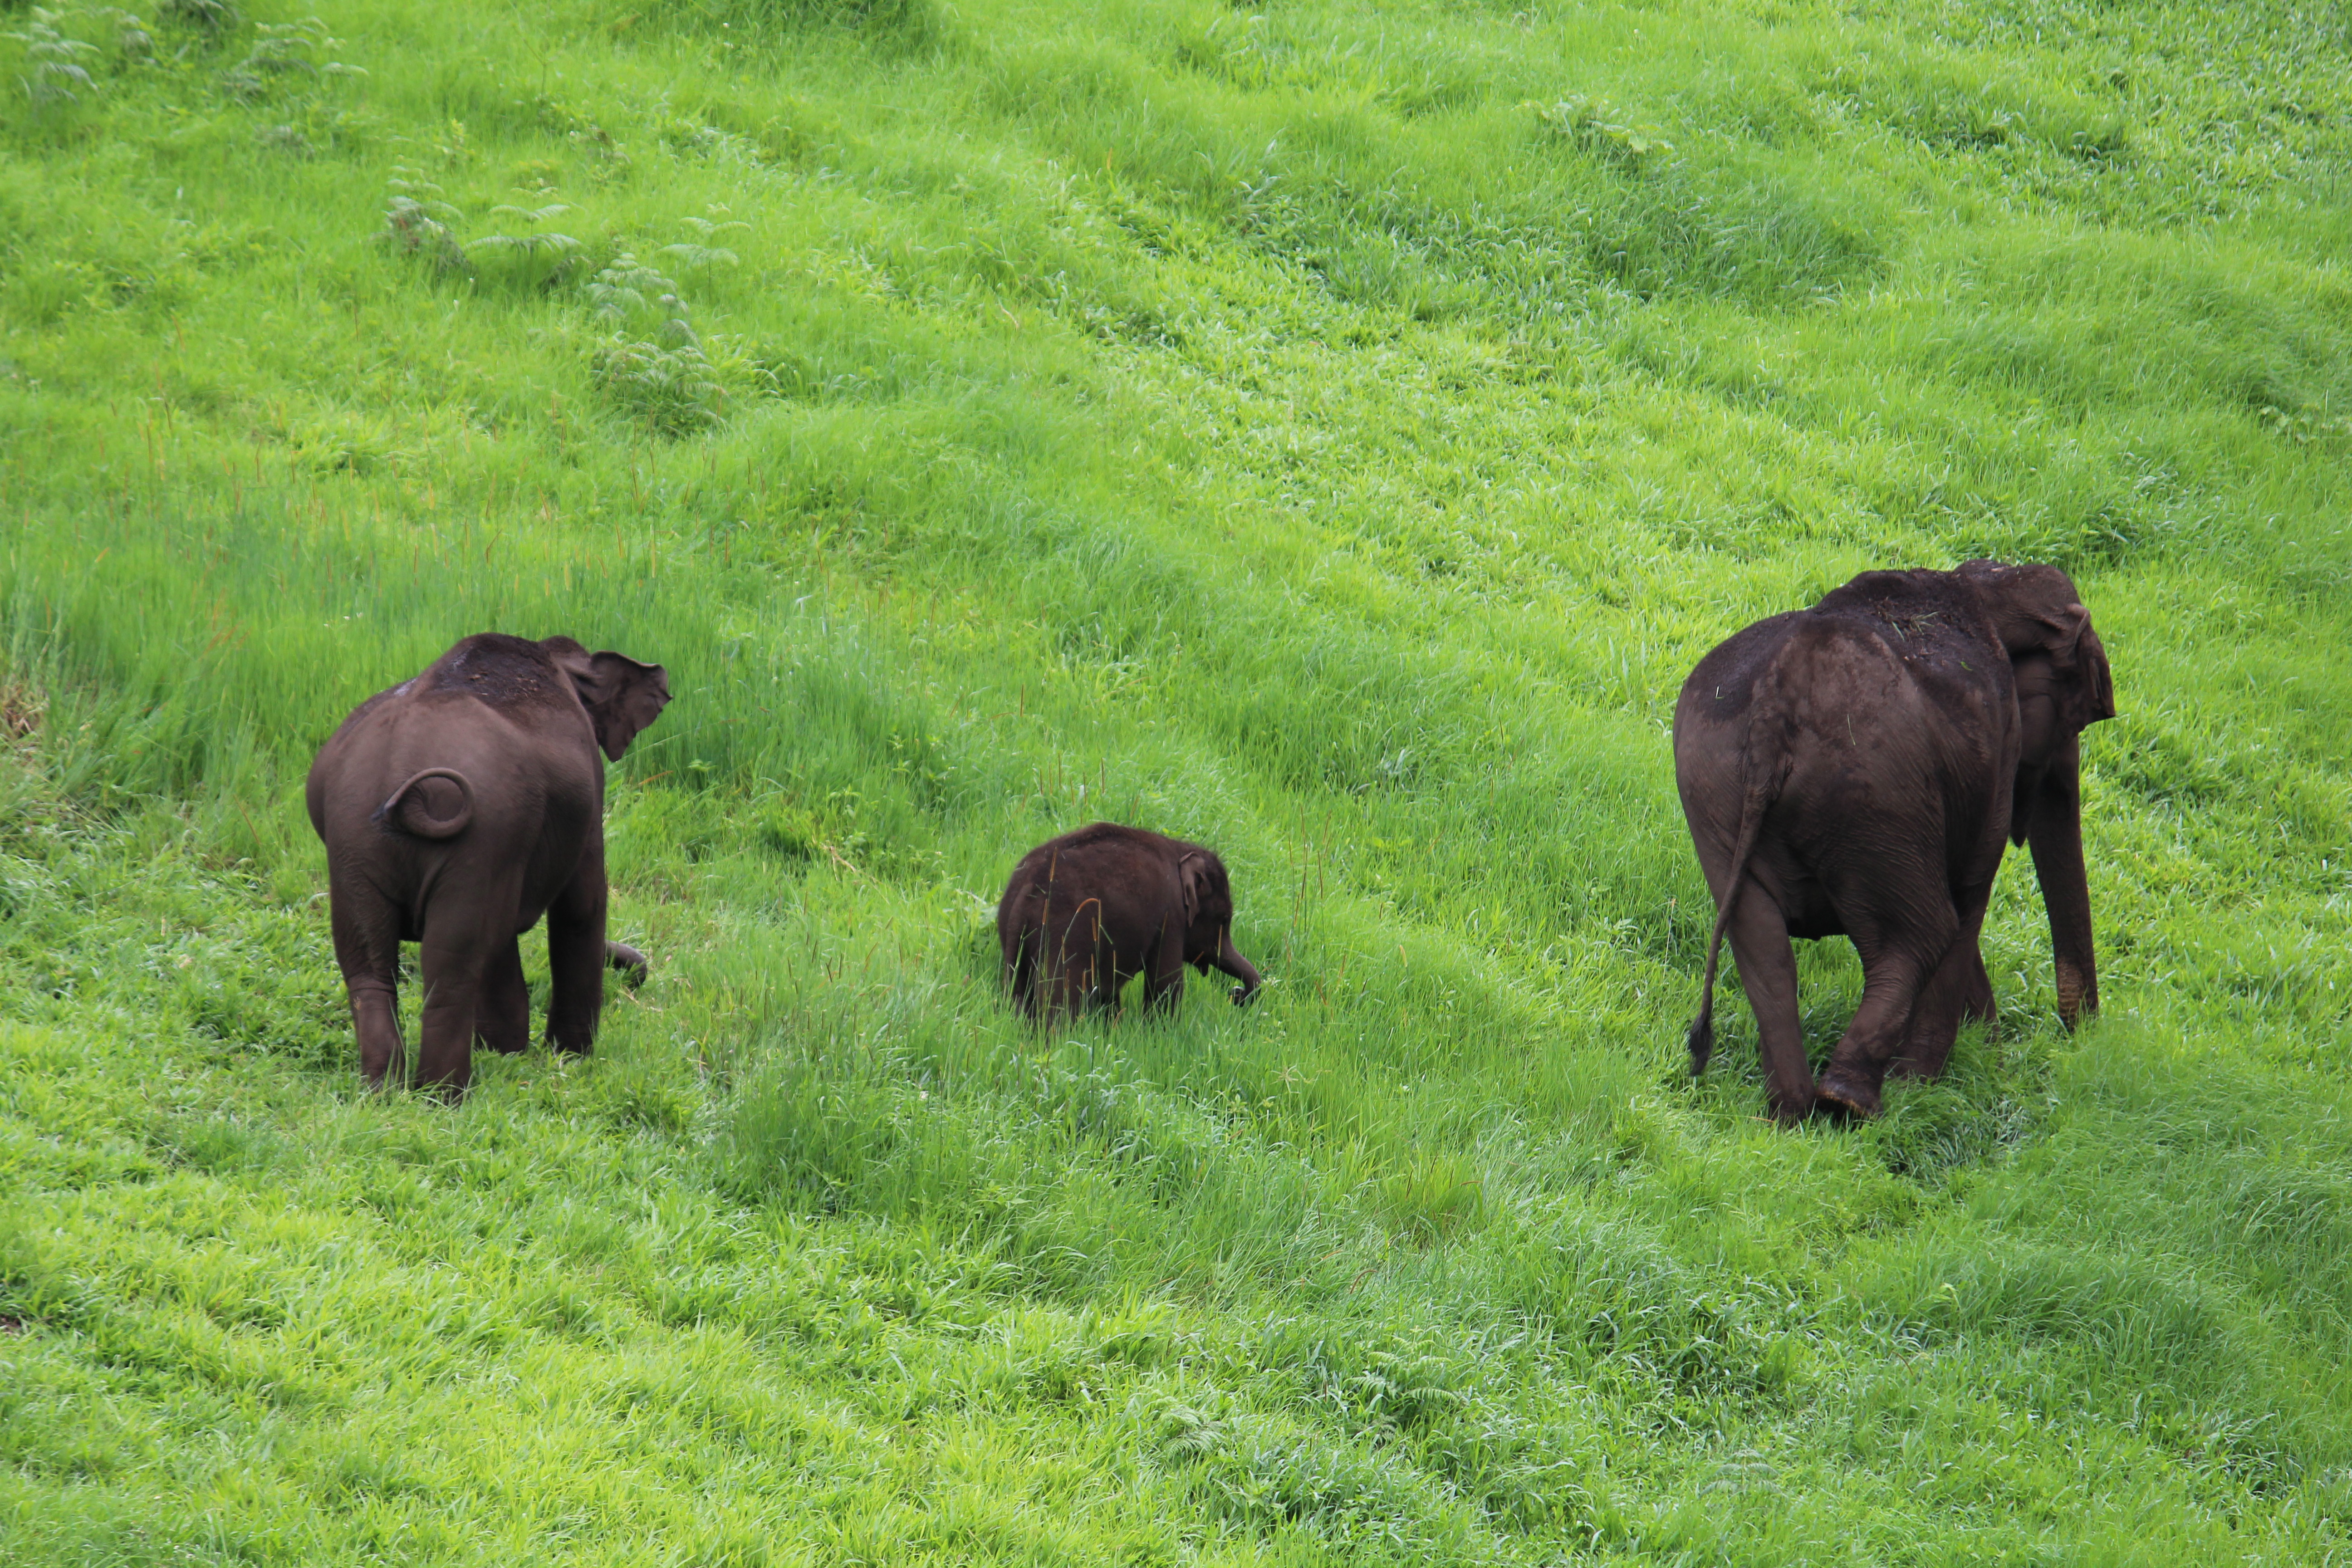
x,y
1110,978
1164,977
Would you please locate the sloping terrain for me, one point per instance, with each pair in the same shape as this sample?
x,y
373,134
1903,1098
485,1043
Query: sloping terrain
x,y
1330,432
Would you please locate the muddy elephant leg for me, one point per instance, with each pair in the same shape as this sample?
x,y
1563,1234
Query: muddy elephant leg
x,y
502,1016
367,950
1767,972
575,957
1021,972
1959,989
1936,1016
1094,977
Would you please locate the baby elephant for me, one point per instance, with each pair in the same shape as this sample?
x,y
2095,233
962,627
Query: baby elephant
x,y
1086,912
458,807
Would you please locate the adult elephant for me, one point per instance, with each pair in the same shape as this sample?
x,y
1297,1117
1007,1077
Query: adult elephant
x,y
1857,769
456,808
1086,912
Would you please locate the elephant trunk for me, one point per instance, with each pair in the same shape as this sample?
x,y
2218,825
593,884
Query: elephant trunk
x,y
2056,834
1230,959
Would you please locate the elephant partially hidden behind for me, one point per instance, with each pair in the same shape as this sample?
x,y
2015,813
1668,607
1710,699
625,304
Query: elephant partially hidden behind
x,y
456,808
1859,768
1089,911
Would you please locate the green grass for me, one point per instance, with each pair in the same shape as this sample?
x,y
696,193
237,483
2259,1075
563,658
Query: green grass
x,y
1329,433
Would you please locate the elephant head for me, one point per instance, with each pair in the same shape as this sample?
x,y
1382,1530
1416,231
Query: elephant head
x,y
2063,687
1207,904
621,695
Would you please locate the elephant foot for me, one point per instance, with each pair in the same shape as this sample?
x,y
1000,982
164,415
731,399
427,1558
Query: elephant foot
x,y
1849,1092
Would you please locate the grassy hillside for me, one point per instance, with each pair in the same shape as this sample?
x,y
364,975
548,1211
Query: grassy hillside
x,y
1330,432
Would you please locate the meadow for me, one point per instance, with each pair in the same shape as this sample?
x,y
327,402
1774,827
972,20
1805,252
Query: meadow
x,y
1328,430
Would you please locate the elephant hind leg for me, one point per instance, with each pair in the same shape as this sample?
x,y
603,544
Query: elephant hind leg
x,y
502,1016
1896,969
1960,989
1767,973
1072,986
466,932
1059,980
1021,970
367,951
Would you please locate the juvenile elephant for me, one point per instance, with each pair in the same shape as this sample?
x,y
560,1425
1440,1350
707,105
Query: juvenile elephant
x,y
456,808
1086,912
1858,768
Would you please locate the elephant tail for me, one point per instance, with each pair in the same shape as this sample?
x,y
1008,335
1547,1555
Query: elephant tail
x,y
1763,786
429,813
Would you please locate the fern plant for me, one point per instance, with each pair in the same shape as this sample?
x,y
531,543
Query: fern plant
x,y
664,379
418,223
698,252
56,65
282,50
537,258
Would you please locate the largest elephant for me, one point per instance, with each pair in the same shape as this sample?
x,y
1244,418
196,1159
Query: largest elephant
x,y
1858,768
459,806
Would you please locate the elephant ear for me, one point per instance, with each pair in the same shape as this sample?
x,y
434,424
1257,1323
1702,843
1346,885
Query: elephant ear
x,y
2085,688
1193,884
2065,628
622,696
